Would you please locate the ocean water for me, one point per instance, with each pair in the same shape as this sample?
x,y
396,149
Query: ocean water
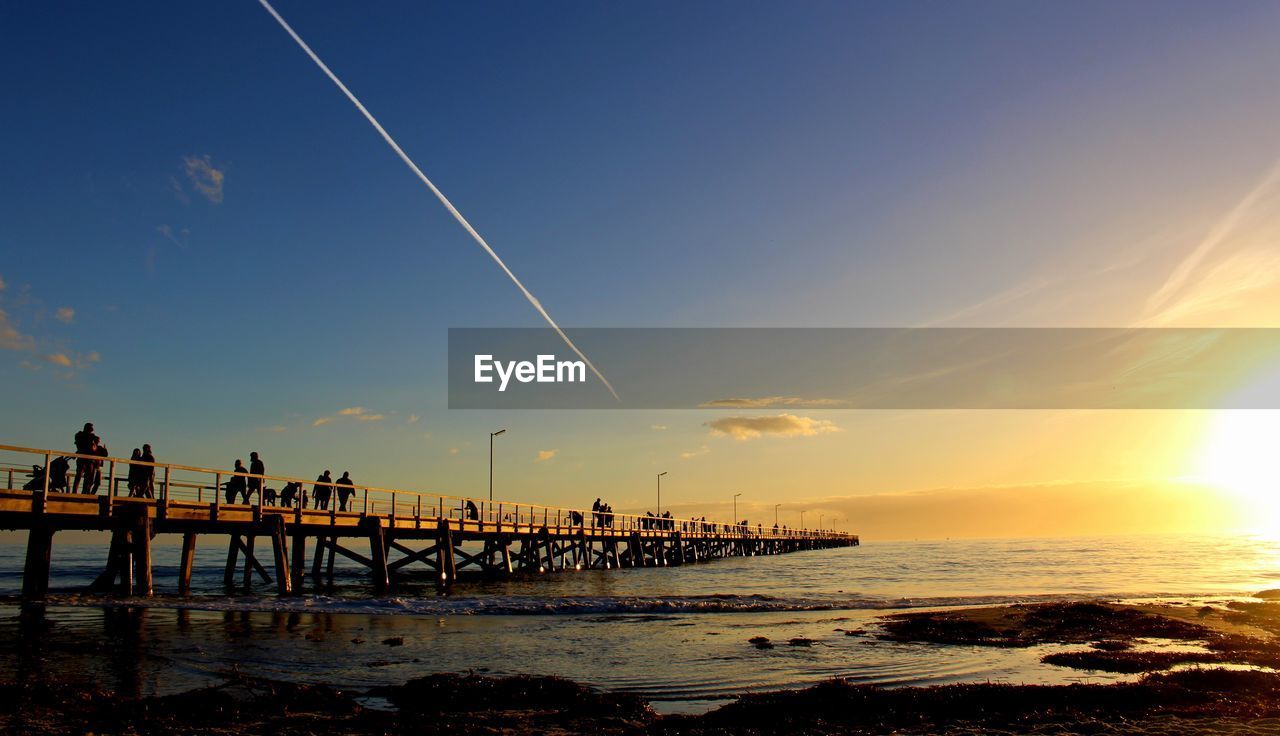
x,y
677,636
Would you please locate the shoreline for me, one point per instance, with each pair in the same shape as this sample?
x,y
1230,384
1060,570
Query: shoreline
x,y
1218,675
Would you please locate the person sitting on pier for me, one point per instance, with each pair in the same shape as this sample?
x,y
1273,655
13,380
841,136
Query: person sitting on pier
x,y
148,475
268,496
255,484
473,513
322,490
345,490
288,494
576,518
236,486
85,440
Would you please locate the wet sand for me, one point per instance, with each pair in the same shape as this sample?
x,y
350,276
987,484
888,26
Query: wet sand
x,y
1210,671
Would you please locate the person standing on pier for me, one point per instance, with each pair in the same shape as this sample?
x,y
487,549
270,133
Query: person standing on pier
x,y
85,439
134,482
257,468
322,490
148,474
236,486
100,450
344,490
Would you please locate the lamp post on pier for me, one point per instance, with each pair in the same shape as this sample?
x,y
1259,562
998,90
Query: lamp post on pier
x,y
660,491
735,508
491,436
775,513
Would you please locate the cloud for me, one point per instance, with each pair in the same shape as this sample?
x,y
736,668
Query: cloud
x,y
659,427
360,413
413,419
11,338
770,402
782,425
66,315
454,451
2,283
204,178
545,455
690,454
179,238
277,428
59,359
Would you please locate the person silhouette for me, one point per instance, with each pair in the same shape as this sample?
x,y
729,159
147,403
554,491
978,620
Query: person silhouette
x,y
257,468
322,490
236,486
148,473
85,439
345,490
134,482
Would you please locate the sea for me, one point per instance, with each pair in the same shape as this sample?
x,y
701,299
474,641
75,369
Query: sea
x,y
677,636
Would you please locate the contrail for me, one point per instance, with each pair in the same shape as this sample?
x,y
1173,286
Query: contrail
x,y
439,195
1224,227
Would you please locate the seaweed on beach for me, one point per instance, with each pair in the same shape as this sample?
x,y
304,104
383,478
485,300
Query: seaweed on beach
x,y
1029,625
1128,661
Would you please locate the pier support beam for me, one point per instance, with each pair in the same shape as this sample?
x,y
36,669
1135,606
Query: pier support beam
x,y
186,563
35,574
378,556
140,544
444,561
280,554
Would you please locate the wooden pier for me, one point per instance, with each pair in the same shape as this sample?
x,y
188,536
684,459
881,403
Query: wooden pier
x,y
388,532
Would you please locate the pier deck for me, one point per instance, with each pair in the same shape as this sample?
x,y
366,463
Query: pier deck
x,y
401,530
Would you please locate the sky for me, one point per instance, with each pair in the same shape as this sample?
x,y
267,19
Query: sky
x,y
205,247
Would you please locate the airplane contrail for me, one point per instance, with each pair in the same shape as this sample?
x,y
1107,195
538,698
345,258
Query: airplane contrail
x,y
436,191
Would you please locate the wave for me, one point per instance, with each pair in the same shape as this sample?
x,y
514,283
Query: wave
x,y
515,605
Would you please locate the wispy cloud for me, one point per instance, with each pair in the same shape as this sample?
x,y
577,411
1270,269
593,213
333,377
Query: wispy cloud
x,y
65,315
454,451
11,338
275,428
413,419
204,177
771,402
59,359
691,454
178,238
782,425
545,455
2,283
358,413
658,427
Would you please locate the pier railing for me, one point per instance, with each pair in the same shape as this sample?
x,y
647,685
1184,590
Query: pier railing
x,y
170,482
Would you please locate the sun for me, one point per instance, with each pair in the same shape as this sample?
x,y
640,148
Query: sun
x,y
1241,456
1240,452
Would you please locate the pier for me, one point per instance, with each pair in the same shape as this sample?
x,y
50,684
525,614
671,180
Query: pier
x,y
389,532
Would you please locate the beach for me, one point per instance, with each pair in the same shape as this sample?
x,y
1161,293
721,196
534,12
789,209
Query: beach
x,y
889,637
1186,669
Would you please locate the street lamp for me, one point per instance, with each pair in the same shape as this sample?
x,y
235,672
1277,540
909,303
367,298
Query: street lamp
x,y
802,520
660,491
775,513
491,436
735,508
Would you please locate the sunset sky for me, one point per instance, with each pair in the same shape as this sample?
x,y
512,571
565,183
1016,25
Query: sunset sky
x,y
205,247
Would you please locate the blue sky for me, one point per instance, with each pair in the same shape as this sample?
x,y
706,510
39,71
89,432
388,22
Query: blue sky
x,y
682,164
